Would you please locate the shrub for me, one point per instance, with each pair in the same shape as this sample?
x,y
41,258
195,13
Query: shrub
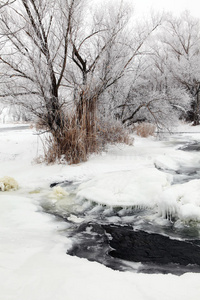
x,y
145,129
113,132
77,142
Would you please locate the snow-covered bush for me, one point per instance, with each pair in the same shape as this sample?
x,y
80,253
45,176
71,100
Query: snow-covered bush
x,y
8,183
10,113
159,108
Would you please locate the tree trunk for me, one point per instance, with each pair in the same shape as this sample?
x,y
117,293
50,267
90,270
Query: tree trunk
x,y
197,109
86,120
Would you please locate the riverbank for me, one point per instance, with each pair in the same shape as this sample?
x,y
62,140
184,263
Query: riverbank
x,y
33,260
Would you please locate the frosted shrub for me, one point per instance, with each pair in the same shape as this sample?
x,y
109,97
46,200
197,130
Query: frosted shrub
x,y
112,132
8,183
145,129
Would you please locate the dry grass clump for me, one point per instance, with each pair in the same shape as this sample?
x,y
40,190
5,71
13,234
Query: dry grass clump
x,y
72,146
78,142
145,129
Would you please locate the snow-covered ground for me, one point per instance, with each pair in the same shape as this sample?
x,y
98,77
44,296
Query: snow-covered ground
x,y
33,260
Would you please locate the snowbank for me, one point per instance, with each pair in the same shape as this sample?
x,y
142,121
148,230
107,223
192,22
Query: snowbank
x,y
145,188
141,188
34,264
33,245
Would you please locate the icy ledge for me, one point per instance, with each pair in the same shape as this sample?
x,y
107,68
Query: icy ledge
x,y
145,188
141,187
181,201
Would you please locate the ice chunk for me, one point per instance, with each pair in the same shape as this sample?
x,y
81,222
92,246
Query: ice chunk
x,y
189,212
164,162
141,188
58,192
181,201
168,204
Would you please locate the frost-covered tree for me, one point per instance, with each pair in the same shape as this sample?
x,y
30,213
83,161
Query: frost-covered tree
x,y
149,101
106,54
181,40
165,79
96,58
149,93
73,67
117,99
5,3
60,62
51,59
37,35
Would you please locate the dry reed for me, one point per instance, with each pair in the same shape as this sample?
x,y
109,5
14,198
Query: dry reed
x,y
81,134
145,129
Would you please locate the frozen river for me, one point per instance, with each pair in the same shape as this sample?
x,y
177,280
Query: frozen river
x,y
14,128
94,228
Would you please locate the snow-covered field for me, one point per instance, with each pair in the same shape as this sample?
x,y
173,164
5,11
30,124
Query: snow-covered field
x,y
33,260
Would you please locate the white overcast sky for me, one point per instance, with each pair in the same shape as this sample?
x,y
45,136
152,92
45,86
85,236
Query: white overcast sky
x,y
144,7
175,6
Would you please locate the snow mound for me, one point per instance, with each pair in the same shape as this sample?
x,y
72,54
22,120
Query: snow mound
x,y
139,188
145,188
8,183
181,201
164,162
